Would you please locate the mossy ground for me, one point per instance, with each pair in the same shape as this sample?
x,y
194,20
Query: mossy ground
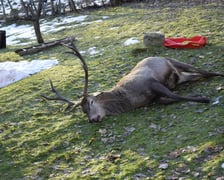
x,y
40,141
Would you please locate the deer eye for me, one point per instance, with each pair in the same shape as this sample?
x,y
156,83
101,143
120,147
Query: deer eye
x,y
91,102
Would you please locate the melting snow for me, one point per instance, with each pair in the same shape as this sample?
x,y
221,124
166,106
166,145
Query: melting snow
x,y
60,23
92,51
16,33
11,72
222,166
131,41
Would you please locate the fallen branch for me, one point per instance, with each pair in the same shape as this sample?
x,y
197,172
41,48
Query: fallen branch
x,y
43,46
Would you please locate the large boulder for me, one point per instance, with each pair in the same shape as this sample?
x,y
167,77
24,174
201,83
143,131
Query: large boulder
x,y
152,40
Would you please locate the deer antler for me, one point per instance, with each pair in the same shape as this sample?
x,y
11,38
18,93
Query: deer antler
x,y
59,97
71,105
84,65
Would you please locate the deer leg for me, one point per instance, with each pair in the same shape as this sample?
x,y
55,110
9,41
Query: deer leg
x,y
189,76
165,100
190,73
160,90
194,76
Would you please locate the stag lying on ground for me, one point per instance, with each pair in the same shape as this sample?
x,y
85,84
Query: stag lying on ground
x,y
150,80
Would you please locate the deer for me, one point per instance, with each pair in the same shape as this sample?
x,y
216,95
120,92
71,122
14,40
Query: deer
x,y
151,80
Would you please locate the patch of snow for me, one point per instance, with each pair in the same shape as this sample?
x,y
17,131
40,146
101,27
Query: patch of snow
x,y
222,166
89,22
47,29
92,51
16,33
11,72
59,21
112,28
105,17
131,41
218,100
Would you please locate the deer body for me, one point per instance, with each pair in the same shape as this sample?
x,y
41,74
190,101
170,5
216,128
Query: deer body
x,y
152,79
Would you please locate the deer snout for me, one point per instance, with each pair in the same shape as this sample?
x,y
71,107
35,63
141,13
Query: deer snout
x,y
95,119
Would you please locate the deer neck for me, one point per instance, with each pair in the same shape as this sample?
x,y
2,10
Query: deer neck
x,y
114,102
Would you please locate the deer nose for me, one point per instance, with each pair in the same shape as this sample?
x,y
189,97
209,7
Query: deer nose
x,y
95,119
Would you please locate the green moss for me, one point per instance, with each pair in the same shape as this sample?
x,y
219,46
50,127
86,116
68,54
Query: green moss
x,y
8,55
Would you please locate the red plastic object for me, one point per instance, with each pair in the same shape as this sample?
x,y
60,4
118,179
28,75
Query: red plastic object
x,y
181,42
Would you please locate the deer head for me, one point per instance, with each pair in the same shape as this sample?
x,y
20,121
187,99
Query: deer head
x,y
91,106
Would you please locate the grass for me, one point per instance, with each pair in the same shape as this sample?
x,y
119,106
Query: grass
x,y
38,140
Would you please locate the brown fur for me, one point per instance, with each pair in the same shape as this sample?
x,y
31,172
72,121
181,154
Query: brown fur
x,y
151,79
114,102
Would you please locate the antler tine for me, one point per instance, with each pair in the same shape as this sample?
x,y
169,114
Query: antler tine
x,y
72,46
59,97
